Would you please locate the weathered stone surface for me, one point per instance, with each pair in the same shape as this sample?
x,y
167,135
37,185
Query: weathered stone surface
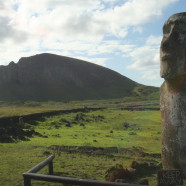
x,y
173,92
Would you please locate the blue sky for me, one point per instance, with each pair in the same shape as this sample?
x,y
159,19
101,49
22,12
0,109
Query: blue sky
x,y
123,35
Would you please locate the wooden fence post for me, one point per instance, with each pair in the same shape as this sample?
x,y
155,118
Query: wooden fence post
x,y
50,165
27,181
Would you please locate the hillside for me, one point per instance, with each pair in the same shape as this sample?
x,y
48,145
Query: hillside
x,y
49,77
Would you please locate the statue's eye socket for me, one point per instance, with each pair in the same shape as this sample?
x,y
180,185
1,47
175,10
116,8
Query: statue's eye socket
x,y
166,29
182,26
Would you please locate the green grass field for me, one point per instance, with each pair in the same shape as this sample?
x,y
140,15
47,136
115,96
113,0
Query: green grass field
x,y
101,128
8,109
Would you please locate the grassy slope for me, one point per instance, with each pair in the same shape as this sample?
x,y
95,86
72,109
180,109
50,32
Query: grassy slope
x,y
18,157
141,95
141,122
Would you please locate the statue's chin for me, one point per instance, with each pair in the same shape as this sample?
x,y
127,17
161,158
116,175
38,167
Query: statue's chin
x,y
166,74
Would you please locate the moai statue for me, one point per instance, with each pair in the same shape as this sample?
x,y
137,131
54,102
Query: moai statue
x,y
173,92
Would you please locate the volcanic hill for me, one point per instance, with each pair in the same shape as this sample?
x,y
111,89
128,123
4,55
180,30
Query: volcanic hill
x,y
47,77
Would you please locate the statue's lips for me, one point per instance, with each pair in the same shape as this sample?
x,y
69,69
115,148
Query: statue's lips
x,y
166,57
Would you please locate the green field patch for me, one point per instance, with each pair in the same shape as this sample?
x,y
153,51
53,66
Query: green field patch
x,y
117,137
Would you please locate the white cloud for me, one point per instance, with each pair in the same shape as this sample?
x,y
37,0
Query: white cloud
x,y
79,28
99,61
153,74
154,40
146,56
133,12
138,29
80,19
147,59
7,31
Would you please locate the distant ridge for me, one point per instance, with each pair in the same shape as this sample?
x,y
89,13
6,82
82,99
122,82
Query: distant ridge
x,y
50,77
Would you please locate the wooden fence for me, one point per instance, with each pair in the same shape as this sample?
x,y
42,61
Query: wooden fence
x,y
32,175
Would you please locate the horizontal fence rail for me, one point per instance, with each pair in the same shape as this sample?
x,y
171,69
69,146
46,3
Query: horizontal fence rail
x,y
39,166
32,174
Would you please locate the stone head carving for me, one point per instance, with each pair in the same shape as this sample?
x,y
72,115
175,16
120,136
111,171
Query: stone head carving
x,y
173,93
173,47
